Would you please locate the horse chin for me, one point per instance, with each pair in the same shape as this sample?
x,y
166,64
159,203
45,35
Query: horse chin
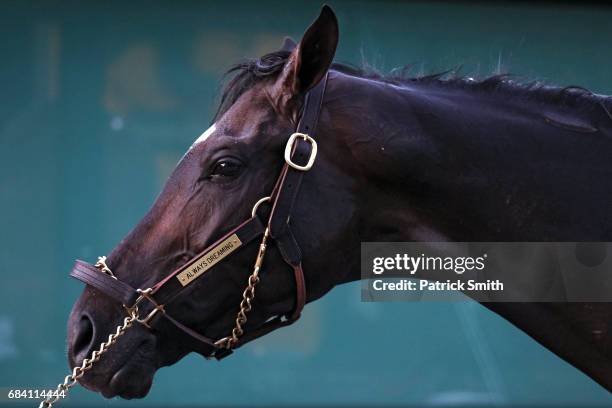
x,y
131,381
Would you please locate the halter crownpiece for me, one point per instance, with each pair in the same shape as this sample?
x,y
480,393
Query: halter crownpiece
x,y
145,305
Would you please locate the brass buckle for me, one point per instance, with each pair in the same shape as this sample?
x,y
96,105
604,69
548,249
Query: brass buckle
x,y
289,148
133,310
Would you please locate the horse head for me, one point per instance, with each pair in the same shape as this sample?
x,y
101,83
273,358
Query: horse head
x,y
229,168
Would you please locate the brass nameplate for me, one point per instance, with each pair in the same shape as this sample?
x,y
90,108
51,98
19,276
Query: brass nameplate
x,y
209,259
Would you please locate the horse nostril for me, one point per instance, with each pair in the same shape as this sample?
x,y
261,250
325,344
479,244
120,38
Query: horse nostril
x,y
83,339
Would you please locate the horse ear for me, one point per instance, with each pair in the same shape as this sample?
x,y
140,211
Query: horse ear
x,y
288,44
310,59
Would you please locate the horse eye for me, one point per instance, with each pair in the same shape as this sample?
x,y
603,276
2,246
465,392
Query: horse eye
x,y
226,167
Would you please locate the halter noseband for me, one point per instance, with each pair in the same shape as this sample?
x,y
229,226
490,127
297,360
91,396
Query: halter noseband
x,y
144,305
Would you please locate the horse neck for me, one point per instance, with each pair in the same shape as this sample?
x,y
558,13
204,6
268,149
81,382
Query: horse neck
x,y
439,164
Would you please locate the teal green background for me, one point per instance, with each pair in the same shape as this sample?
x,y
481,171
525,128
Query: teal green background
x,y
99,100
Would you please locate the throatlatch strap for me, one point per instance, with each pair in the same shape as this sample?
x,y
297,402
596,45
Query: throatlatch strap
x,y
289,187
291,178
285,194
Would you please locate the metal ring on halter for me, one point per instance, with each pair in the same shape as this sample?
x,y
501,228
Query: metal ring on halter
x,y
257,204
146,294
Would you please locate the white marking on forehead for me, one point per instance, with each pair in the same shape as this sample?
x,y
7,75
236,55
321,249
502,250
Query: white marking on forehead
x,y
205,135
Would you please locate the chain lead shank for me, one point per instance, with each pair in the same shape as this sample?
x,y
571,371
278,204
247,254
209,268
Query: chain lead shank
x,y
247,298
227,342
77,372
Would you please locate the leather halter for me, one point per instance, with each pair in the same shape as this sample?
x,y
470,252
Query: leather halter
x,y
299,156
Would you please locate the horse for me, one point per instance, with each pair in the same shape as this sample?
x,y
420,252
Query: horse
x,y
400,158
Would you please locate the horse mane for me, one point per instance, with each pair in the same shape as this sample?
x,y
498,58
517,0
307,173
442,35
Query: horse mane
x,y
245,74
